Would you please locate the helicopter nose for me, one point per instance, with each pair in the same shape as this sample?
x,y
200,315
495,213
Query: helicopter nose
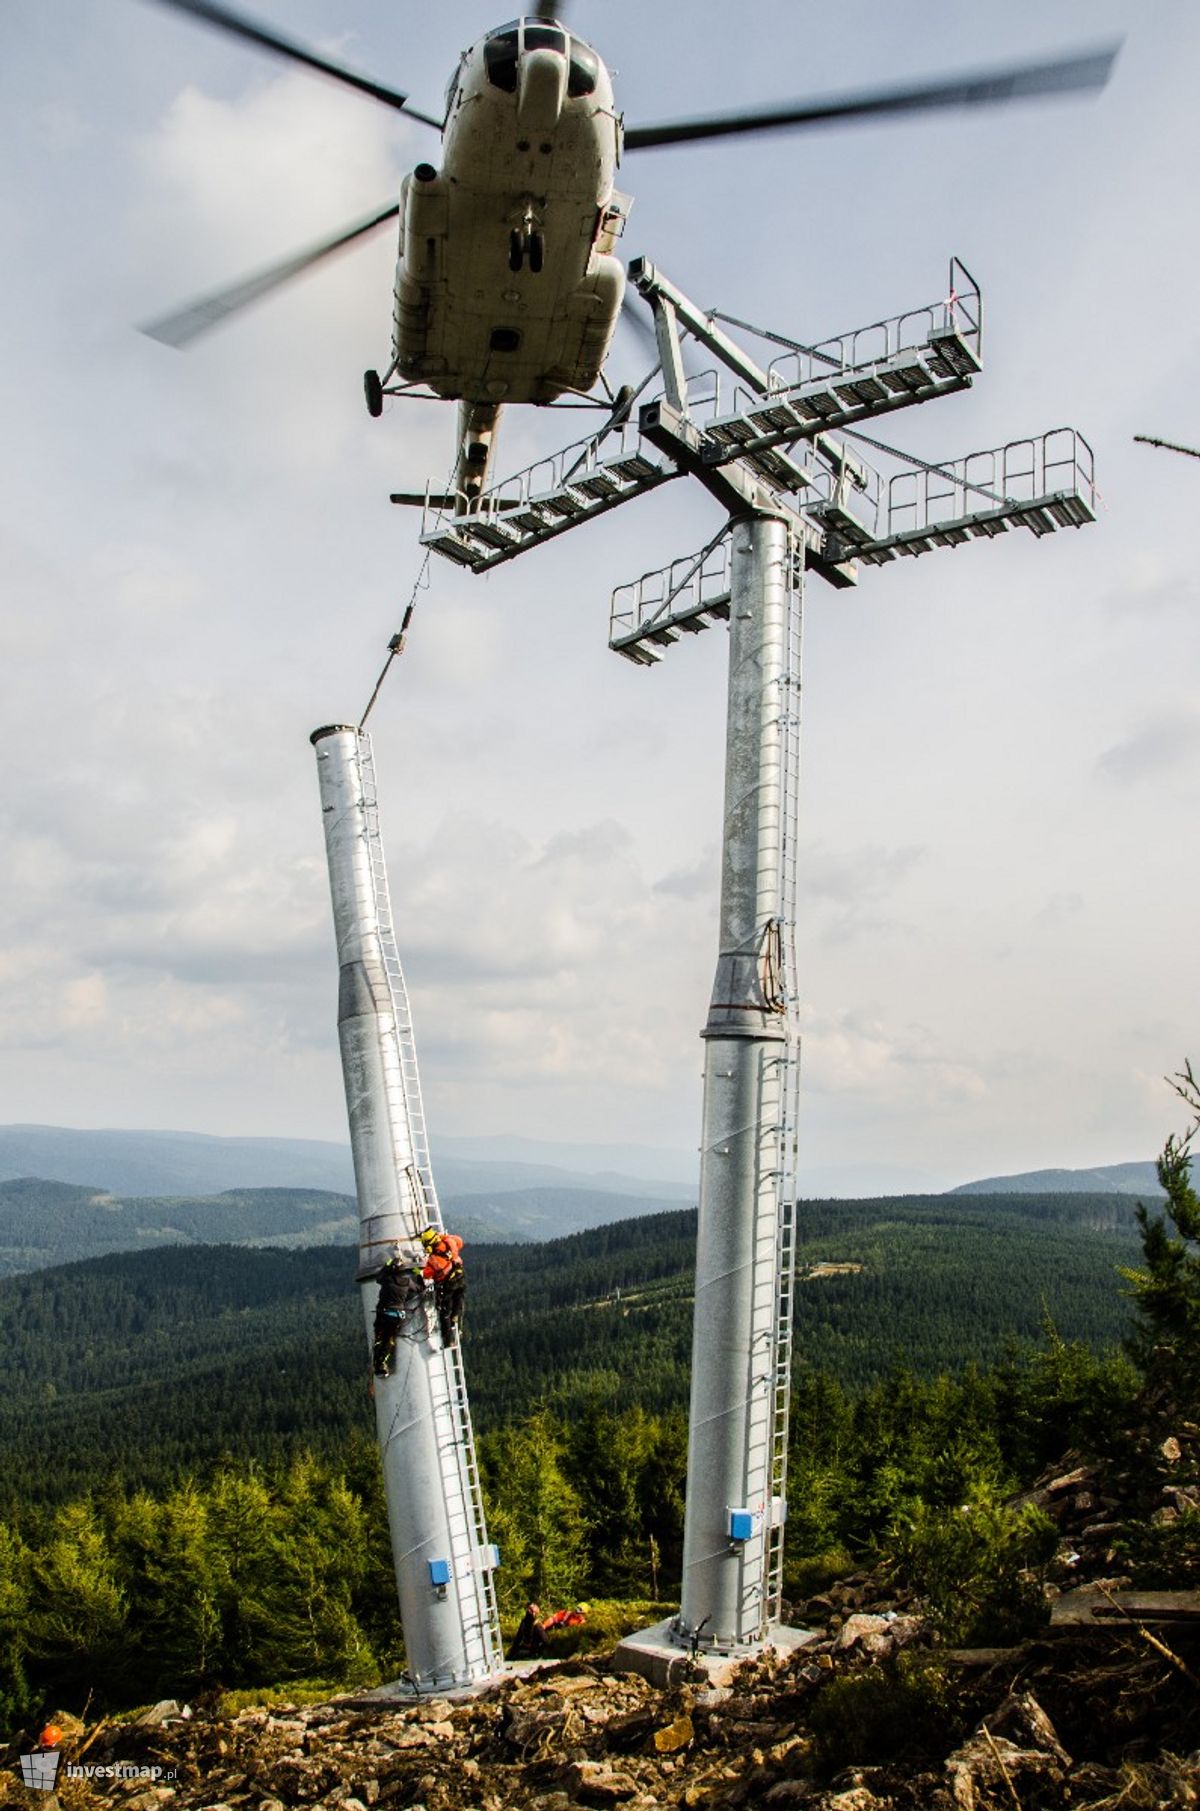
x,y
541,89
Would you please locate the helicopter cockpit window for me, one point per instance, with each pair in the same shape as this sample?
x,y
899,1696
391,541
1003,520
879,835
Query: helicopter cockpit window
x,y
500,53
546,37
584,69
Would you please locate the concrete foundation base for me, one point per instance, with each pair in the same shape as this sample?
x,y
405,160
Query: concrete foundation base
x,y
660,1659
401,1692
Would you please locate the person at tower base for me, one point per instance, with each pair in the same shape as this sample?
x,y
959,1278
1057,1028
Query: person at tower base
x,y
564,1619
530,1638
444,1269
401,1289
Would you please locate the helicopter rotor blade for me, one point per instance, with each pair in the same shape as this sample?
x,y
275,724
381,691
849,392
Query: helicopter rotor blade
x,y
183,325
1082,73
239,26
1172,446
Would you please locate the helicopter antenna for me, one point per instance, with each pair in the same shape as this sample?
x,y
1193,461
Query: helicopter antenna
x,y
1172,446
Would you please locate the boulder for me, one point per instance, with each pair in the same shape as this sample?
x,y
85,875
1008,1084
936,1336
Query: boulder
x,y
1022,1717
674,1736
986,1766
157,1713
592,1783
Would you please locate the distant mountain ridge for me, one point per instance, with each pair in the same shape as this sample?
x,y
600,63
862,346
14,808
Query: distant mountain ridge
x,y
162,1164
1109,1178
46,1223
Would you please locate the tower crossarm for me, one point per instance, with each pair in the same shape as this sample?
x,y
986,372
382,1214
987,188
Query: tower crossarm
x,y
543,500
1042,483
908,358
740,485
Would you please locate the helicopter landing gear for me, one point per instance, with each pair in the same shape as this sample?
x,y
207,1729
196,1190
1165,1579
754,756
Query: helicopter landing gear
x,y
373,391
516,249
535,246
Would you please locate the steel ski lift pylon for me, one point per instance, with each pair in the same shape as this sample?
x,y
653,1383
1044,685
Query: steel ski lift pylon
x,y
441,1553
798,499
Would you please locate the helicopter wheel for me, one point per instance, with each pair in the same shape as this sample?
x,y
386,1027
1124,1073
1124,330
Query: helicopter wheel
x,y
516,250
537,252
373,391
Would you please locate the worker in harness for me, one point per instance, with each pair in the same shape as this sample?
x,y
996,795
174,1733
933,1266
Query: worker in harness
x,y
401,1290
529,1641
565,1619
444,1269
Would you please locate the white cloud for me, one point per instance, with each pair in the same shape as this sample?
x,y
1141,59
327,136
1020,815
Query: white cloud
x,y
202,565
1164,742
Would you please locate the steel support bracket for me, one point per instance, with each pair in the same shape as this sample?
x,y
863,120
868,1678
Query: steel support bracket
x,y
735,489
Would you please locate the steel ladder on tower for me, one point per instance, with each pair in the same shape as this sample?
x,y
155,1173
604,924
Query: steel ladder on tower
x,y
788,1093
774,1254
470,1556
773,1260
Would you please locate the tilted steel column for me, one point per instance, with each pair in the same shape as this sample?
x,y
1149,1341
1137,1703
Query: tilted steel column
x,y
446,1637
724,1602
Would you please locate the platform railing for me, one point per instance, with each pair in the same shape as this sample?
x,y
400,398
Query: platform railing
x,y
1021,471
959,311
573,465
687,585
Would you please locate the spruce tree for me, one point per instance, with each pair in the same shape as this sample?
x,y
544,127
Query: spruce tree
x,y
1165,1343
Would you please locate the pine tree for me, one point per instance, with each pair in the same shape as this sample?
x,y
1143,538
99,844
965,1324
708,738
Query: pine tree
x,y
16,1578
536,1515
1165,1343
77,1626
176,1606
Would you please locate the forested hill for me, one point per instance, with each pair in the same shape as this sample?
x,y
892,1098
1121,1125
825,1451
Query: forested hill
x,y
150,1363
54,1222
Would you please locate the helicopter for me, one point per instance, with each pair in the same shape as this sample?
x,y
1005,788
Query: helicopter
x,y
508,288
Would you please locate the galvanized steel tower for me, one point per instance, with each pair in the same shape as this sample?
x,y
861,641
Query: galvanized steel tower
x,y
440,1548
740,1354
796,499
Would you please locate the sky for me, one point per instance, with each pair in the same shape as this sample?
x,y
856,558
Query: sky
x,y
998,961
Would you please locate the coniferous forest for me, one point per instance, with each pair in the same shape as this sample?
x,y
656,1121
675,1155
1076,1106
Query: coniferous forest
x,y
191,1491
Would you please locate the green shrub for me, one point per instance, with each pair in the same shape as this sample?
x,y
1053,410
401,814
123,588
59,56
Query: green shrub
x,y
1163,1556
905,1709
977,1566
815,1572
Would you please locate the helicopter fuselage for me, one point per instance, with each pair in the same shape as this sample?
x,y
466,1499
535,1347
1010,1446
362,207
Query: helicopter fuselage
x,y
507,289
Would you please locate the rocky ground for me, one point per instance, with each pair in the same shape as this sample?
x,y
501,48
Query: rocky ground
x,y
1101,1710
1109,1719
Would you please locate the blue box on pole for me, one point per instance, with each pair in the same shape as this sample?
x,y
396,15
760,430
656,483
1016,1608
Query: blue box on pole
x,y
439,1572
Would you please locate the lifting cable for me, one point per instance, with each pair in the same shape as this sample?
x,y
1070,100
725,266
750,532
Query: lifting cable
x,y
396,644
